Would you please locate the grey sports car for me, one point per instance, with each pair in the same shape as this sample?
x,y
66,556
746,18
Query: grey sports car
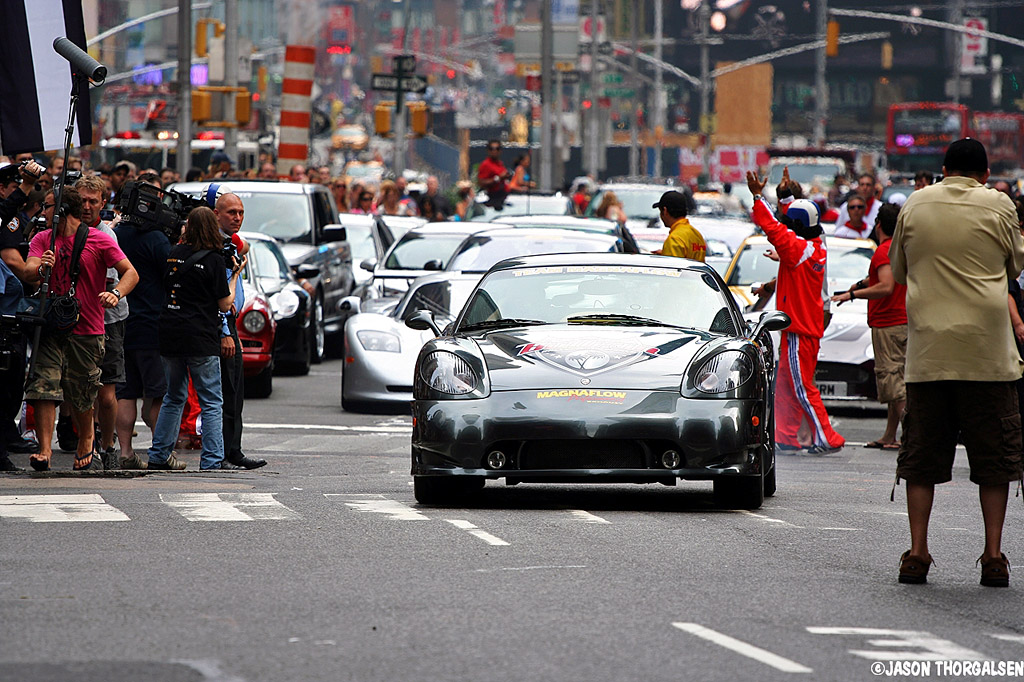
x,y
596,368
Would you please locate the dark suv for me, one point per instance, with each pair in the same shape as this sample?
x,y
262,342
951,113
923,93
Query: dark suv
x,y
304,219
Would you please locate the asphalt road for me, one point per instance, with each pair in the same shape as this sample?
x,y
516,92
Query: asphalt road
x,y
321,566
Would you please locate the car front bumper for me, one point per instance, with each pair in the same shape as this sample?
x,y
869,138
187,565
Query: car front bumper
x,y
376,376
609,436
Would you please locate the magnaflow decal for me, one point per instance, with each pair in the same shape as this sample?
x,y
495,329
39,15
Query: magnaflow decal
x,y
591,355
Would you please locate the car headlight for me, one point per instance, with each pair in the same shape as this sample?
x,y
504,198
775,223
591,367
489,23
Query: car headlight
x,y
448,373
724,372
284,304
383,341
254,322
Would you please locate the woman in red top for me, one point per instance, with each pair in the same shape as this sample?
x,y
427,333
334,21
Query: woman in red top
x,y
887,317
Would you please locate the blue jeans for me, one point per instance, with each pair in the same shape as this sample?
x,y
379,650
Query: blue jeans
x,y
205,372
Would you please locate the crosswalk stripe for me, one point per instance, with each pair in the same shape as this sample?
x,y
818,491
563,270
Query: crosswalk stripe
x,y
228,506
378,504
473,530
587,517
58,508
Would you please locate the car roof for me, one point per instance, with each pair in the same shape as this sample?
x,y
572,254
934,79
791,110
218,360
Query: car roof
x,y
259,186
636,187
548,232
641,260
452,227
844,242
569,222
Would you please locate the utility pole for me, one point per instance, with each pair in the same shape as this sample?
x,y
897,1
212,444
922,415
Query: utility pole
x,y
634,143
820,81
230,77
704,18
955,47
547,76
398,162
184,154
659,95
592,121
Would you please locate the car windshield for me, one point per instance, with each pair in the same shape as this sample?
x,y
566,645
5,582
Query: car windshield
x,y
267,261
635,202
600,294
479,252
526,204
805,173
414,251
442,299
845,265
279,215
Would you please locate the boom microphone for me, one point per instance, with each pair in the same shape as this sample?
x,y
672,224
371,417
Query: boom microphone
x,y
80,59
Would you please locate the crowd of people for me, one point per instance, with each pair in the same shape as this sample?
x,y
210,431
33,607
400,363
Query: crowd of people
x,y
105,300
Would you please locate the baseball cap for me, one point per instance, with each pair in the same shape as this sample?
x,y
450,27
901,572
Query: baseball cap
x,y
219,157
673,202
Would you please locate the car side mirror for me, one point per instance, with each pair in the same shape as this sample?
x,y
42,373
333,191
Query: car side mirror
x,y
422,320
368,264
351,305
335,233
772,321
307,271
433,265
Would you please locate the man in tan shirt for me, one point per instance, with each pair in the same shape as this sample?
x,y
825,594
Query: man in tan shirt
x,y
955,247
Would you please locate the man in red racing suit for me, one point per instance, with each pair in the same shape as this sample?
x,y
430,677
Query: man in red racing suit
x,y
797,240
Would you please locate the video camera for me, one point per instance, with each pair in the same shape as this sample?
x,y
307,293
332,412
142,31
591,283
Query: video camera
x,y
12,172
11,329
150,208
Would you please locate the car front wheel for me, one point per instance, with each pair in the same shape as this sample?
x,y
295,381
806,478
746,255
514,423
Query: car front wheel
x,y
740,492
261,385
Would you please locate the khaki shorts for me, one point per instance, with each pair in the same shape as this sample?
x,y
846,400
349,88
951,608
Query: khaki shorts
x,y
112,367
67,368
890,347
983,413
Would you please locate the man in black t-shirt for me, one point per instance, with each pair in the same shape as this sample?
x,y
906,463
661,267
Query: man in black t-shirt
x,y
144,370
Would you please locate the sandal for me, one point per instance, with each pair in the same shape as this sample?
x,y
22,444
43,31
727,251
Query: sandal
x,y
39,464
91,462
914,569
891,446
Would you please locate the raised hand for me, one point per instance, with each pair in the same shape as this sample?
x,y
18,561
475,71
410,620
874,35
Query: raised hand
x,y
755,184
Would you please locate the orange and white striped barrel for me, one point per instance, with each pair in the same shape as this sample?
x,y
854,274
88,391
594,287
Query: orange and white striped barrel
x,y
293,144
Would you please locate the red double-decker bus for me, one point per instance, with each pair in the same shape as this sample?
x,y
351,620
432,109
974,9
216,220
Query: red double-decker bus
x,y
1003,137
919,132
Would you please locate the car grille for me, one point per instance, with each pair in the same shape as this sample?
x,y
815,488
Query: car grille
x,y
398,389
581,454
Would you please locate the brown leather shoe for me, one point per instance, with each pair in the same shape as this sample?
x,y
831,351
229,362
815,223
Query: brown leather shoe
x,y
995,572
914,569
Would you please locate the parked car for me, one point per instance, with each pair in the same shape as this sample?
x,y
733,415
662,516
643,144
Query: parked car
x,y
369,237
523,204
592,225
256,332
304,218
585,368
291,304
380,350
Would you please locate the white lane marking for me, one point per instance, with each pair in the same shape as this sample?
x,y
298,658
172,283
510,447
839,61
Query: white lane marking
x,y
58,508
766,518
838,528
228,506
1010,638
934,648
743,649
378,504
587,517
524,568
473,530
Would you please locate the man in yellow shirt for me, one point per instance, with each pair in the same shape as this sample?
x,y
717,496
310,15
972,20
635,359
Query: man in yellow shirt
x,y
683,240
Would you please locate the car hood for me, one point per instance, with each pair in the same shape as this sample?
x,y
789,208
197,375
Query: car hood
x,y
556,357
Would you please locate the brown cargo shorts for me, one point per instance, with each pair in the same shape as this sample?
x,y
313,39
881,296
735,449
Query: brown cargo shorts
x,y
985,416
67,368
890,348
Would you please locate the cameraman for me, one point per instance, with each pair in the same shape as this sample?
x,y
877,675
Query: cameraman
x,y
13,194
196,292
230,214
12,372
67,365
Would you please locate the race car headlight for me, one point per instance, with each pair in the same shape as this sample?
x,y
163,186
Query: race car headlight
x,y
448,373
382,341
723,372
284,304
254,322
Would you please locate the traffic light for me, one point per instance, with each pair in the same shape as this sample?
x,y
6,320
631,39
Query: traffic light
x,y
242,107
418,118
886,55
832,39
201,105
382,119
202,46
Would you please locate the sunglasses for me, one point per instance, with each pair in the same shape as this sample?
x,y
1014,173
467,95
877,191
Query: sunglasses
x,y
47,207
494,149
856,208
365,198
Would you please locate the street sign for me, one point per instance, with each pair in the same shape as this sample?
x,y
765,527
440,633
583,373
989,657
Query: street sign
x,y
405,62
570,77
619,92
387,81
611,78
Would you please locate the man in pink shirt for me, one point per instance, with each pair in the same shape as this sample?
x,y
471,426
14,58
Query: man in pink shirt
x,y
67,365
